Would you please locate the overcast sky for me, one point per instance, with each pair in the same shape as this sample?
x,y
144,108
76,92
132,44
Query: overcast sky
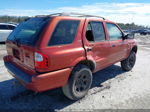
x,y
127,11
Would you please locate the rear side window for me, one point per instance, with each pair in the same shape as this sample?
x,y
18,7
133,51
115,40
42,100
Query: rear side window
x,y
98,31
64,32
113,32
3,27
28,32
95,32
89,33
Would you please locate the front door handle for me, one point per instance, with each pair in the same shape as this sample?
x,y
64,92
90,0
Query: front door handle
x,y
113,45
89,49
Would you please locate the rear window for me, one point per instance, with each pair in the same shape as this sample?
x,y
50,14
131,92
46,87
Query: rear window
x,y
64,32
28,31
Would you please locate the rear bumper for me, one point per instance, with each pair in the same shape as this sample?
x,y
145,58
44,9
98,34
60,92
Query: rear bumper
x,y
41,82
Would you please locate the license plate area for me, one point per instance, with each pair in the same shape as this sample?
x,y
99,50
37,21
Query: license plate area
x,y
16,54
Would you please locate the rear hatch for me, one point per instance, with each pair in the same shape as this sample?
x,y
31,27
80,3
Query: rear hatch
x,y
21,43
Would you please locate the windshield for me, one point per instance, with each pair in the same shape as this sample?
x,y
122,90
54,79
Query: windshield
x,y
28,31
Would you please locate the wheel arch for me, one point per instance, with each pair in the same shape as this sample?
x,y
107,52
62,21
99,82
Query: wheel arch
x,y
91,64
134,48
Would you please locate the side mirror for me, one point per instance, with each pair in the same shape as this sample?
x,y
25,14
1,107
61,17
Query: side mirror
x,y
128,36
125,36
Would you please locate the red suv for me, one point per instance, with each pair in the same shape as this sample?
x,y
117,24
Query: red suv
x,y
63,50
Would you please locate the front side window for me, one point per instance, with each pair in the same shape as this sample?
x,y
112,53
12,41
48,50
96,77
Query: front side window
x,y
113,32
95,31
64,32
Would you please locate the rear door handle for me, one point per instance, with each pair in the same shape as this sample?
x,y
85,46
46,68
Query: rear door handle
x,y
113,45
89,49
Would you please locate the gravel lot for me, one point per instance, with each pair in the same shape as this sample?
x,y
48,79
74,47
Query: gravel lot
x,y
112,88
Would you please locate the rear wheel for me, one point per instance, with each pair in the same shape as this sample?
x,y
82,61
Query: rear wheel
x,y
79,83
129,63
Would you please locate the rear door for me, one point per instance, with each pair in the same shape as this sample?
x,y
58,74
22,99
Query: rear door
x,y
118,50
96,44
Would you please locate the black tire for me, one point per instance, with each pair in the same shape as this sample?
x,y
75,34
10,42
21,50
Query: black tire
x,y
79,83
129,63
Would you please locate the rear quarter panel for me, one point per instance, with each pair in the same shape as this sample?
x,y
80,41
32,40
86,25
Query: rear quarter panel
x,y
62,56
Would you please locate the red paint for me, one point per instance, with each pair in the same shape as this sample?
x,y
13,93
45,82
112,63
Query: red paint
x,y
58,61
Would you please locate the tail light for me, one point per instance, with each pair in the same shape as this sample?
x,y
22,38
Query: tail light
x,y
41,60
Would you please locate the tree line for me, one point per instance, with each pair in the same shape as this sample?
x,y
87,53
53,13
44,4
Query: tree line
x,y
12,19
18,19
132,26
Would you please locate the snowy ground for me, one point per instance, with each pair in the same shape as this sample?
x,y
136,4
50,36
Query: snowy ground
x,y
112,88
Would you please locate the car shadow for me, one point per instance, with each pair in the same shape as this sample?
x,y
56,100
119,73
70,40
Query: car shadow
x,y
106,74
15,97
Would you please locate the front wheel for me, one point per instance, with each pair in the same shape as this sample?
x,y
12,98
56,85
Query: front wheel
x,y
79,83
129,63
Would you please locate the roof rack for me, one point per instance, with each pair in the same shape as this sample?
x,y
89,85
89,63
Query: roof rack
x,y
75,14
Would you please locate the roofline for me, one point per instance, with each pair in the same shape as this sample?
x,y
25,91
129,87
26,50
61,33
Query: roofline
x,y
71,14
